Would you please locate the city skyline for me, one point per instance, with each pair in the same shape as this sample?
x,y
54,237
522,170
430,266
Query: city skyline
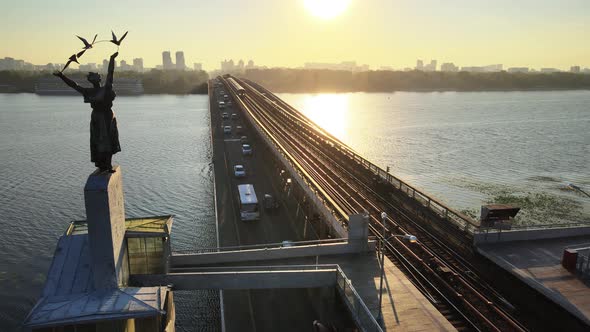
x,y
528,33
229,65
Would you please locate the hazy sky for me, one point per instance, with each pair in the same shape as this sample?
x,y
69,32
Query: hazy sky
x,y
536,33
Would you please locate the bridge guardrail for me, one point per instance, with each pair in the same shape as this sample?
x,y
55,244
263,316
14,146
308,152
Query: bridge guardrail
x,y
259,246
460,219
360,313
358,309
531,227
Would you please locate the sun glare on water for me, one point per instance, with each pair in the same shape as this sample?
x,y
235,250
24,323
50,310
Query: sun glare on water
x,y
329,111
326,9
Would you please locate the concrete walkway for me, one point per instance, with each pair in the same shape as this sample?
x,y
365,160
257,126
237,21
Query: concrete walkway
x,y
404,307
538,263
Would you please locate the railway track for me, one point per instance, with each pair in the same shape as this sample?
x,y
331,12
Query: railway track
x,y
444,276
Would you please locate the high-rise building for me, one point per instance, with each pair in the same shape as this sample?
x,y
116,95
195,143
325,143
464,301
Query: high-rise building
x,y
227,65
241,64
124,66
105,65
575,69
167,61
431,66
138,64
419,65
198,66
250,64
449,66
180,64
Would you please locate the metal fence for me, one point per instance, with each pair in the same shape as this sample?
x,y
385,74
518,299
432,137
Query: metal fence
x,y
359,311
531,227
259,246
442,210
460,219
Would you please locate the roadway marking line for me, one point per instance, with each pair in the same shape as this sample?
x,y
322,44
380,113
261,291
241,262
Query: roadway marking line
x,y
230,193
251,311
231,140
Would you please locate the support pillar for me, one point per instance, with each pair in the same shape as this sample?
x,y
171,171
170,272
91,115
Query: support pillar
x,y
105,214
358,230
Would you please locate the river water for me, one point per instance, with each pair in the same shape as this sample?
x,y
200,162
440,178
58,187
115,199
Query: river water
x,y
44,153
472,148
464,148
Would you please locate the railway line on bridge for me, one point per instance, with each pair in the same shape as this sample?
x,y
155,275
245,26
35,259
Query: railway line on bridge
x,y
442,274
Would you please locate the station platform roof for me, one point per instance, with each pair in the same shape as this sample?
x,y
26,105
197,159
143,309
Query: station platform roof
x,y
156,226
69,296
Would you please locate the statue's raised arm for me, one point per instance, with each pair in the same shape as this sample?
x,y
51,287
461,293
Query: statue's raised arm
x,y
109,82
69,82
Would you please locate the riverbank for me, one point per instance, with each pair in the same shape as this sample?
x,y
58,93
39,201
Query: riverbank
x,y
328,81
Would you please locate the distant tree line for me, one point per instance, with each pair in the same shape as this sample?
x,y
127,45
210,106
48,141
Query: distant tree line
x,y
315,80
305,80
154,81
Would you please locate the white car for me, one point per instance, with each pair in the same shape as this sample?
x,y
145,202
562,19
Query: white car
x,y
246,150
239,171
227,130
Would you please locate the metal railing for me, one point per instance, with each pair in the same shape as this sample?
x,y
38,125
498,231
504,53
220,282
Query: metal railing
x,y
259,246
532,227
465,222
359,311
265,268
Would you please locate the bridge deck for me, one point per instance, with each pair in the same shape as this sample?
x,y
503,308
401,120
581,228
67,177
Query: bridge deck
x,y
404,307
264,310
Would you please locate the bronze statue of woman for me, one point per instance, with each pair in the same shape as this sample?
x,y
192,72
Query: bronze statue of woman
x,y
104,135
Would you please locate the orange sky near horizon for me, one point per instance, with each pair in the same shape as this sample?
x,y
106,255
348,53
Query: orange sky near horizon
x,y
394,33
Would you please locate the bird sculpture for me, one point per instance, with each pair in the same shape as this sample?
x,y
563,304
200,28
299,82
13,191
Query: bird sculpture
x,y
87,45
73,58
115,41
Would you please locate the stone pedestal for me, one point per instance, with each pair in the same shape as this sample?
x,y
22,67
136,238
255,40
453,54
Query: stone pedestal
x,y
105,214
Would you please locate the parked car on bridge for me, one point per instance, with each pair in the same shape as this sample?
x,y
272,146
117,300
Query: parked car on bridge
x,y
227,129
244,139
246,150
225,115
234,116
239,130
239,171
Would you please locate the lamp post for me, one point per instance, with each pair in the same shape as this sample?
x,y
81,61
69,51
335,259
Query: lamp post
x,y
574,187
409,237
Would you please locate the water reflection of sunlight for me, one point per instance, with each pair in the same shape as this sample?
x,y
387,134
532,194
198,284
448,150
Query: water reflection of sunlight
x,y
329,111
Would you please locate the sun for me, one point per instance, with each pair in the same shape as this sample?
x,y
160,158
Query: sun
x,y
326,9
